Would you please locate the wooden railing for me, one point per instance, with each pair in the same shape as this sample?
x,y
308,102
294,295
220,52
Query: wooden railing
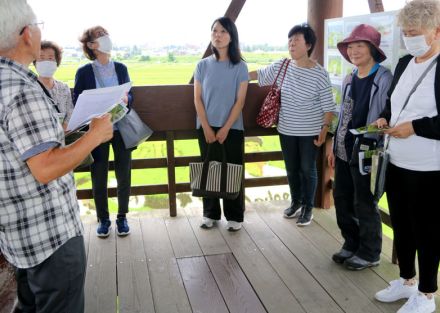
x,y
170,112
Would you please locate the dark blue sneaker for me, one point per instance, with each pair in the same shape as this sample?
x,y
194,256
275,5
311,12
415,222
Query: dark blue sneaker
x,y
293,211
122,228
104,227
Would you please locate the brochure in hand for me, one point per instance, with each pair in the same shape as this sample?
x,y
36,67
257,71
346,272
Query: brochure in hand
x,y
370,129
96,102
118,112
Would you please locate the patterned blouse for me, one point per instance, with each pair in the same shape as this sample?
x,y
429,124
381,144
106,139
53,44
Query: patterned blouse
x,y
62,96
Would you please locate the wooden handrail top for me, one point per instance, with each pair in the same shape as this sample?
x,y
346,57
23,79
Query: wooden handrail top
x,y
171,108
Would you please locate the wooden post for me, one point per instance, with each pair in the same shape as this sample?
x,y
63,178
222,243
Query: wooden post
x,y
375,6
171,169
318,11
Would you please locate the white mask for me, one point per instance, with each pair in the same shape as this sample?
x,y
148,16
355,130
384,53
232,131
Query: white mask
x,y
416,45
46,68
105,44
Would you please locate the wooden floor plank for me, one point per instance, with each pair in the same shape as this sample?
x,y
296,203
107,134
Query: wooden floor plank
x,y
100,285
331,276
134,290
387,270
86,236
166,282
366,280
202,290
210,240
301,283
182,237
271,290
327,220
234,286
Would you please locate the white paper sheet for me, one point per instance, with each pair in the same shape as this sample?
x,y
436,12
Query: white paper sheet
x,y
95,102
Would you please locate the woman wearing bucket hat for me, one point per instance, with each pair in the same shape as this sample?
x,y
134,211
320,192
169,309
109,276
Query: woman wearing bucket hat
x,y
413,174
364,97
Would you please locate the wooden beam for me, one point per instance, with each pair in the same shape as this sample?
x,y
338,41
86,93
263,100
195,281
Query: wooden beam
x,y
318,11
165,108
171,169
375,6
232,12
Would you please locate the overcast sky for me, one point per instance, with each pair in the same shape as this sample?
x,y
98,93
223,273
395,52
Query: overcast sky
x,y
165,22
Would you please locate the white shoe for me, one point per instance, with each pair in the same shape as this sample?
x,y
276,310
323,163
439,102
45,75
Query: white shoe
x,y
418,303
233,226
207,222
395,291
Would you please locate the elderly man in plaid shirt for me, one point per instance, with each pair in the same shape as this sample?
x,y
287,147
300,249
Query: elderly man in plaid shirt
x,y
40,228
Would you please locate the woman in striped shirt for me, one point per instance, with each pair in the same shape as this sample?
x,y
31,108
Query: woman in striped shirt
x,y
307,108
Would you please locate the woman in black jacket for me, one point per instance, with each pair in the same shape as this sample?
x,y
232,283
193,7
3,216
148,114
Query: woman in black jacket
x,y
413,174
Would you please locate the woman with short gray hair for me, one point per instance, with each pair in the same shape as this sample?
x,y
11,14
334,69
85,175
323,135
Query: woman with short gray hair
x,y
414,147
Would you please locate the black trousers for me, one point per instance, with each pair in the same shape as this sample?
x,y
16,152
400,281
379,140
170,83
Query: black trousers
x,y
99,171
57,284
357,213
415,215
233,209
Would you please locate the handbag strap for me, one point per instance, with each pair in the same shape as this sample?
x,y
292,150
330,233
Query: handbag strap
x,y
205,168
411,93
285,61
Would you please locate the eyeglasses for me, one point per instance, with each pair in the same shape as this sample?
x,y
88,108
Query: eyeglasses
x,y
39,24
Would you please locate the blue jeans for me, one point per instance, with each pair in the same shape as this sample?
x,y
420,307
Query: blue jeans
x,y
299,153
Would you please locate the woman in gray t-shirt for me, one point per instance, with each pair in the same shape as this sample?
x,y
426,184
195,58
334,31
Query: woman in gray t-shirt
x,y
220,85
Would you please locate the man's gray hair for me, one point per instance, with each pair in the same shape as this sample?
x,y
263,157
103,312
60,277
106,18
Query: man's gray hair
x,y
14,16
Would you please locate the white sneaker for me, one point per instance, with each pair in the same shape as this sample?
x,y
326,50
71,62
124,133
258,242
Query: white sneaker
x,y
207,222
418,303
233,226
395,291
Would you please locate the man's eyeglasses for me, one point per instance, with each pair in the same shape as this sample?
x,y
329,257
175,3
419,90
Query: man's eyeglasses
x,y
39,24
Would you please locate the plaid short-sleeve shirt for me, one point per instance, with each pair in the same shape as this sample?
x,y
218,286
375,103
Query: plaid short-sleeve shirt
x,y
35,219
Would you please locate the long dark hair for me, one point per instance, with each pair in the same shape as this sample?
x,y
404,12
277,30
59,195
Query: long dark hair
x,y
234,52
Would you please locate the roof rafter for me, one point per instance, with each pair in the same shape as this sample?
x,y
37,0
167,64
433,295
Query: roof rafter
x,y
375,6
